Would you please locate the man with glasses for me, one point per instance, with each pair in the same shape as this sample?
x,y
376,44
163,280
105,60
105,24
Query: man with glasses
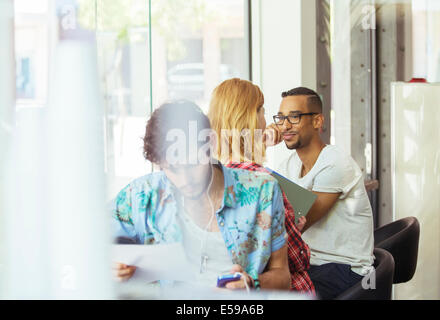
x,y
339,227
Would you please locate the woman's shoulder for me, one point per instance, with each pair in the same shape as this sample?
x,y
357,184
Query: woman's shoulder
x,y
255,175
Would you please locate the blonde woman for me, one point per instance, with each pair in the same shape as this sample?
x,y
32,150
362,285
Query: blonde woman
x,y
236,114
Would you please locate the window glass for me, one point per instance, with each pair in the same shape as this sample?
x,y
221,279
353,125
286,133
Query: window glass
x,y
194,45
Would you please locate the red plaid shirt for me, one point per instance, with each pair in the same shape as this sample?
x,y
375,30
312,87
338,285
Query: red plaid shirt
x,y
298,251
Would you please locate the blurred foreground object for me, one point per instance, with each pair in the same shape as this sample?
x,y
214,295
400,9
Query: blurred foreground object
x,y
7,103
80,240
57,237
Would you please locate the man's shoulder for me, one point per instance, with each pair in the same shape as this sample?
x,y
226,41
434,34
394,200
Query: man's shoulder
x,y
334,151
335,170
336,156
144,184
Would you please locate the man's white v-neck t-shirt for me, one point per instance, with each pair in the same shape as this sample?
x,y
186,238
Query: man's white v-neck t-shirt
x,y
345,234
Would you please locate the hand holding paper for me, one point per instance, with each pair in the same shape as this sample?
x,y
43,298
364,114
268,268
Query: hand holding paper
x,y
123,272
149,263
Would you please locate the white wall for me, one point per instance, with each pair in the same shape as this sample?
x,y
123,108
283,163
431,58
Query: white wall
x,y
283,53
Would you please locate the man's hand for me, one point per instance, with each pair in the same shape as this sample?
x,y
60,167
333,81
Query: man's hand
x,y
239,284
301,223
123,272
272,135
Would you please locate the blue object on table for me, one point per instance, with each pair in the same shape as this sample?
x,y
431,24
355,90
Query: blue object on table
x,y
224,279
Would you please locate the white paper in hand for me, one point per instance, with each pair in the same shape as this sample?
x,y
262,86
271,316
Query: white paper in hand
x,y
154,262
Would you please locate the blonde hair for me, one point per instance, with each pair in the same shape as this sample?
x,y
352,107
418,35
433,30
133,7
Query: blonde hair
x,y
233,116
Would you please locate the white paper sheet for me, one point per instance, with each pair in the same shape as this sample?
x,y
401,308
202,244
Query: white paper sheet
x,y
155,262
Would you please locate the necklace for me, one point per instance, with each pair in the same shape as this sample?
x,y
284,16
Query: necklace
x,y
204,255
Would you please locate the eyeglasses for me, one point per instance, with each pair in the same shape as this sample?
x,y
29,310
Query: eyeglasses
x,y
293,119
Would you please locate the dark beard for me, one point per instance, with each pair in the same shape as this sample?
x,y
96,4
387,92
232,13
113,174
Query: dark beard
x,y
294,146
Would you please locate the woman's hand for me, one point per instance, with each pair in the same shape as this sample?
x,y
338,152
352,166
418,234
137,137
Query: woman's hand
x,y
272,135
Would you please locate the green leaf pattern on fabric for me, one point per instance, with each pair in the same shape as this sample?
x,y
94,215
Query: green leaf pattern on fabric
x,y
123,210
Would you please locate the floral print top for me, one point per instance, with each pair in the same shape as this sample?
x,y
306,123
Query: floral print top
x,y
250,219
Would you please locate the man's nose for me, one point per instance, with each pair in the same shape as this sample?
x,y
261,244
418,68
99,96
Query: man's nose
x,y
286,125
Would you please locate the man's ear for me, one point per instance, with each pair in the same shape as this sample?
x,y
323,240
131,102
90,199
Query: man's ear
x,y
318,122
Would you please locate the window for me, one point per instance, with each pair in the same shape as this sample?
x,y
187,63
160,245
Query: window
x,y
191,47
194,45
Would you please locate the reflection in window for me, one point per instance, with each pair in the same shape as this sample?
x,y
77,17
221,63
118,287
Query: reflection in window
x,y
194,45
32,46
25,83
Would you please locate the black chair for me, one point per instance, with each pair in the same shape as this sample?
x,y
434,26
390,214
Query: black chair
x,y
401,239
384,271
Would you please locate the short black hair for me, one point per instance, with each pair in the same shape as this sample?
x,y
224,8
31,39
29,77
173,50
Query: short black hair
x,y
314,100
177,114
